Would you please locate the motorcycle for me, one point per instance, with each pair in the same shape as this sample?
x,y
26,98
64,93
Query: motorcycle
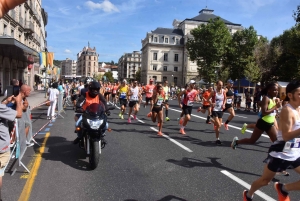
x,y
92,128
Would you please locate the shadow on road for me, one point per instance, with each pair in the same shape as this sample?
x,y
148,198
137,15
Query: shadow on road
x,y
59,149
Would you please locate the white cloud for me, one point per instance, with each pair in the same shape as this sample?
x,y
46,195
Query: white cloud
x,y
64,11
78,7
68,51
106,6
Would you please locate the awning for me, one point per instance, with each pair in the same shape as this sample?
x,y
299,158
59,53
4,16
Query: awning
x,y
39,75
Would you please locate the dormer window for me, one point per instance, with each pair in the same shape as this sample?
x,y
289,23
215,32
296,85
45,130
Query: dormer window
x,y
166,39
155,39
177,41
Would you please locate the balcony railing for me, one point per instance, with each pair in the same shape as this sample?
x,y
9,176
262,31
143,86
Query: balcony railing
x,y
29,27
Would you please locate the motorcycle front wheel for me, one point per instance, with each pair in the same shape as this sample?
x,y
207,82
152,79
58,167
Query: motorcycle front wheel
x,y
94,154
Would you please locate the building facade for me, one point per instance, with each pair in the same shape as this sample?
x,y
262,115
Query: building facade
x,y
68,68
22,37
129,64
87,62
165,56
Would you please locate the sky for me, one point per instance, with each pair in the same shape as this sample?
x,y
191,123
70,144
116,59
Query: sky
x,y
115,27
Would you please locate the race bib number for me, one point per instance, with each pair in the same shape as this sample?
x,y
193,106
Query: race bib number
x,y
123,95
190,103
107,89
159,102
150,91
218,105
134,98
291,145
229,101
114,91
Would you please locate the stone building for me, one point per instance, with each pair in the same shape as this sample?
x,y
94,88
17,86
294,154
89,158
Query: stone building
x,y
22,37
164,53
87,62
129,64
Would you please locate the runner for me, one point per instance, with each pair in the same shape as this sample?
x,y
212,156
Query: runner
x,y
218,97
229,102
122,93
285,152
167,92
114,93
206,104
157,112
266,122
107,92
189,97
134,94
149,93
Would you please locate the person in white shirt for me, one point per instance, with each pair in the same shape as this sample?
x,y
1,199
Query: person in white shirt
x,y
52,94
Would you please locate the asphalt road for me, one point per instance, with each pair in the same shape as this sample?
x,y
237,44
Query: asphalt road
x,y
139,165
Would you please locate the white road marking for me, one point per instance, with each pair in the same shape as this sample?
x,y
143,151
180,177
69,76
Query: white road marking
x,y
174,141
249,131
246,185
236,115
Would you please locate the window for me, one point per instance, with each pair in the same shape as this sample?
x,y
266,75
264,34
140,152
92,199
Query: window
x,y
175,69
175,81
94,63
166,40
4,29
155,39
176,57
89,57
165,68
177,41
165,79
12,33
89,63
154,78
155,56
165,56
154,67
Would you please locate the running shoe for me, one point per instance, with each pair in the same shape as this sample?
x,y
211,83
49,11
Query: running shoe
x,y
208,122
233,143
149,114
226,127
159,133
181,121
282,196
129,120
120,114
218,142
167,119
134,117
244,128
199,109
122,117
245,197
181,131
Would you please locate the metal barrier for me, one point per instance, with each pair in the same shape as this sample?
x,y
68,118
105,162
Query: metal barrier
x,y
60,107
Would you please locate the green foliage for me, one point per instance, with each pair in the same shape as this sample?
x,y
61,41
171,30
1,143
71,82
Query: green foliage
x,y
109,76
98,77
296,15
207,47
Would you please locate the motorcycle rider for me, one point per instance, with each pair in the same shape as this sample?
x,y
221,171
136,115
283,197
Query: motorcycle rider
x,y
91,96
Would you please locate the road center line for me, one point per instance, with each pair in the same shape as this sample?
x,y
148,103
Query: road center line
x,y
249,131
246,185
174,141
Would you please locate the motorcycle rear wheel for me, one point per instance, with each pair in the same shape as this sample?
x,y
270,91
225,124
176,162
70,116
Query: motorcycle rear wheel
x,y
94,154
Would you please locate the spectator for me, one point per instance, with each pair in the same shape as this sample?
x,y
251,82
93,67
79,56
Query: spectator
x,y
256,100
7,114
52,94
248,101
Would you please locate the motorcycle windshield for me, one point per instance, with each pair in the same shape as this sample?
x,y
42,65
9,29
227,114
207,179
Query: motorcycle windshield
x,y
95,109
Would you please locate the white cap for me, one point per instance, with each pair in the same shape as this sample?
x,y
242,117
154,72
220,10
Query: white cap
x,y
192,81
125,80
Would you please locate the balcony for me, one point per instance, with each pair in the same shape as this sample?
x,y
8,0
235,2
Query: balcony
x,y
29,28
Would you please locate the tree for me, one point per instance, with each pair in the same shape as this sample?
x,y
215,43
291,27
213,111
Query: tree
x,y
138,75
98,77
109,76
239,54
207,47
296,15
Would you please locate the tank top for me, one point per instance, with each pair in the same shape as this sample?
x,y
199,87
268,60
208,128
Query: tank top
x,y
291,151
160,100
219,99
135,94
166,90
270,118
189,97
123,92
206,95
149,90
229,95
